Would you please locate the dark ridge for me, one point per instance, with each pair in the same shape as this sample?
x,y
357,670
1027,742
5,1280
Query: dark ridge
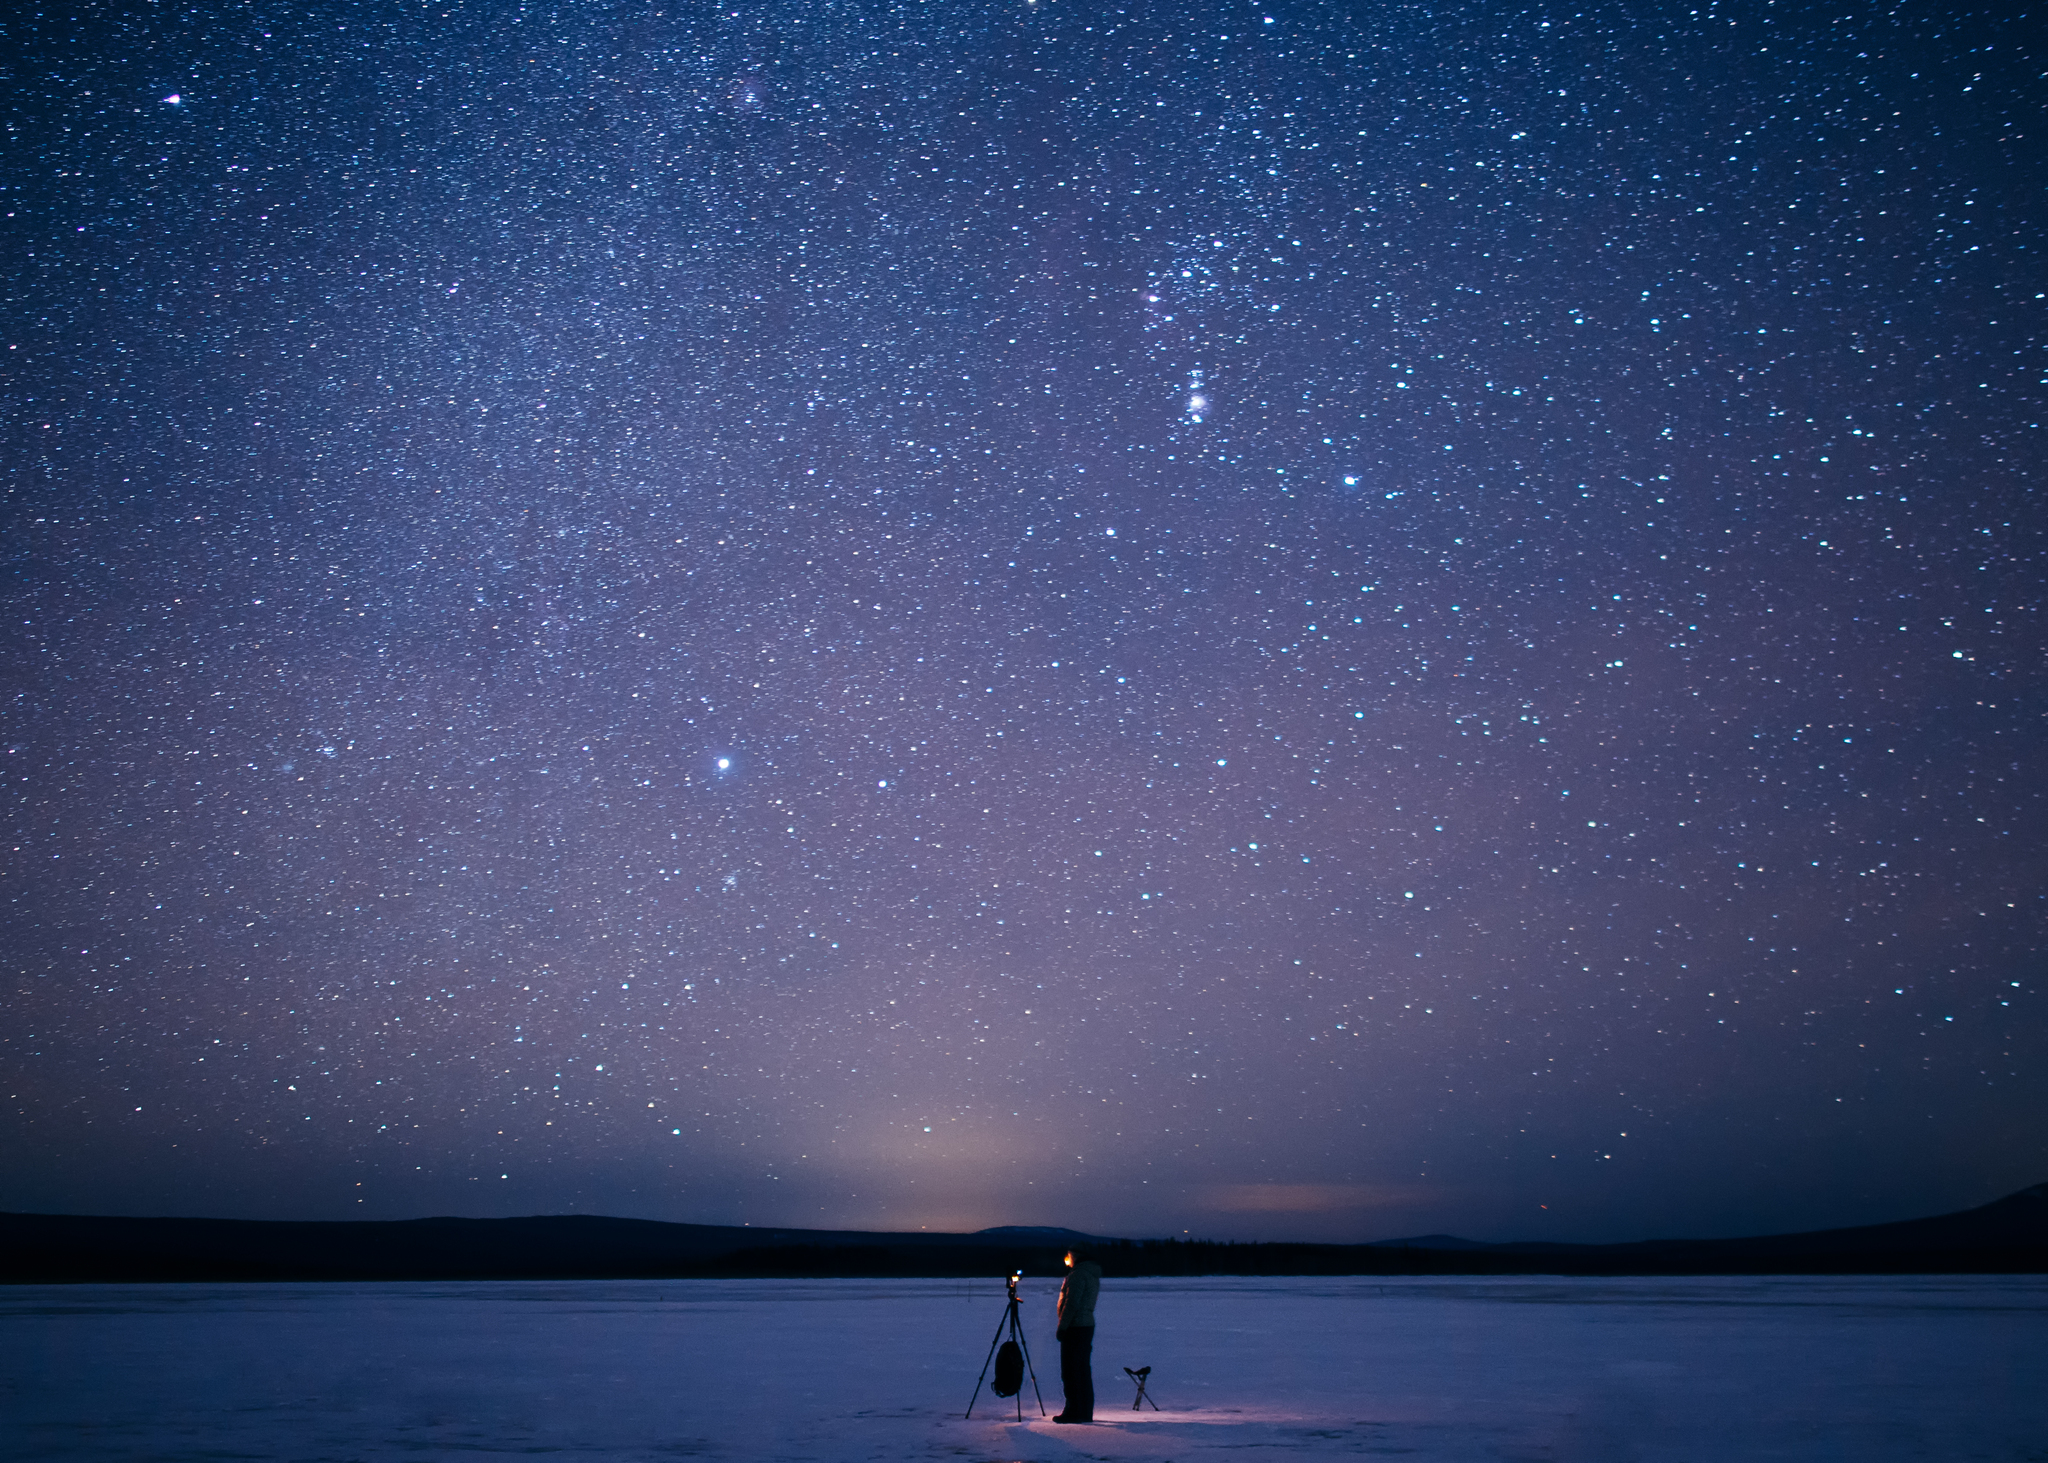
x,y
2008,1236
1437,1242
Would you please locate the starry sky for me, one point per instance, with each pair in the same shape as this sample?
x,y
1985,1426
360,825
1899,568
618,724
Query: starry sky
x,y
1295,620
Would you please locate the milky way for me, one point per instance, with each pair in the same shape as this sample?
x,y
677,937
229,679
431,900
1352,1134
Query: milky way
x,y
1285,621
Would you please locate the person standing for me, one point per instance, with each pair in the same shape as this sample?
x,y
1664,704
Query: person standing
x,y
1076,1334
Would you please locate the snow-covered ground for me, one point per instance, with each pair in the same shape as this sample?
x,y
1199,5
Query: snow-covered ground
x,y
1717,1369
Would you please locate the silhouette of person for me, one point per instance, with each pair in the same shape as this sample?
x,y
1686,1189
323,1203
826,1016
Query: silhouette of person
x,y
1077,1336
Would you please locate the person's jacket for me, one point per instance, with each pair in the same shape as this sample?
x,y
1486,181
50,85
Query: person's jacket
x,y
1077,1296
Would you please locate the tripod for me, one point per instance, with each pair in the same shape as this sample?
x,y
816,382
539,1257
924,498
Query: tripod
x,y
1141,1376
1015,1327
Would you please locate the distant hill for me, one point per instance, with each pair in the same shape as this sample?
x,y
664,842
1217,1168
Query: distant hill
x,y
1033,1231
67,1247
2014,1225
1436,1242
2007,1236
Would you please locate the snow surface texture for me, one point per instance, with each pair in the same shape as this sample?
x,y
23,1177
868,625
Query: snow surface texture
x,y
1850,1369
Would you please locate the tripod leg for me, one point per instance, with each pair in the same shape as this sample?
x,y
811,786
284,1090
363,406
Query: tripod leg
x,y
994,1341
1017,1335
1025,1347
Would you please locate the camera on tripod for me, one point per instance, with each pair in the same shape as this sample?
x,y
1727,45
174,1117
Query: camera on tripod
x,y
1012,1357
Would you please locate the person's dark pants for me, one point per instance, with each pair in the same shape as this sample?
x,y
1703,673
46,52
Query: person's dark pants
x,y
1077,1378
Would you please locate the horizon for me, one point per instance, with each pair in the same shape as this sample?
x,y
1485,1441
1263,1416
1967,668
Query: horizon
x,y
1307,621
1024,1229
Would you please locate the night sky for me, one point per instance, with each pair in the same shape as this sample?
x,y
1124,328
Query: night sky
x,y
1268,621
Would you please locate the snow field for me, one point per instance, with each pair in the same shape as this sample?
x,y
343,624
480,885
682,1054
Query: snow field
x,y
834,1371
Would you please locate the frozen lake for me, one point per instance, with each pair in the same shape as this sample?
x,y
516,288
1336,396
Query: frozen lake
x,y
1859,1370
